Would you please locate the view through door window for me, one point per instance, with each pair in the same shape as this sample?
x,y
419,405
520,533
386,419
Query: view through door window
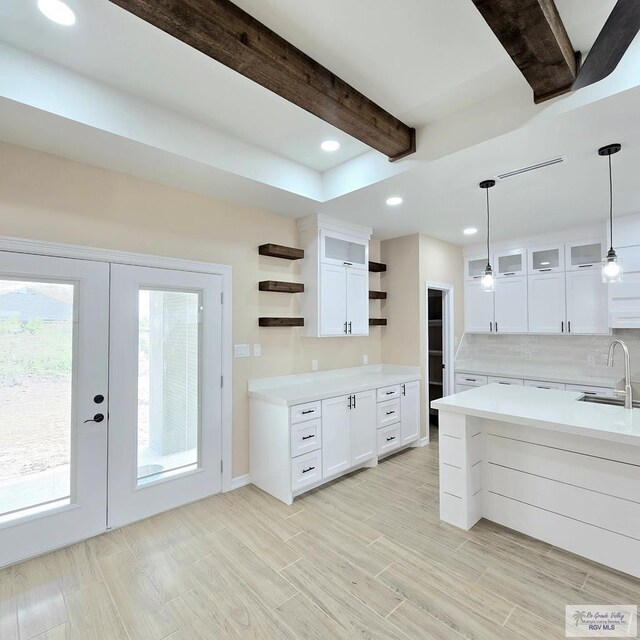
x,y
168,382
36,363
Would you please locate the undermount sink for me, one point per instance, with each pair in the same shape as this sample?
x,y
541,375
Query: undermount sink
x,y
616,402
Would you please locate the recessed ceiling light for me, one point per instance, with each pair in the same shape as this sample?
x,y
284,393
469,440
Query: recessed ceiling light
x,y
394,201
330,145
57,11
469,231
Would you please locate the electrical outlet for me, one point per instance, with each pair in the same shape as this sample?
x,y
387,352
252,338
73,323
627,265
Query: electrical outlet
x,y
314,365
591,359
529,355
257,350
365,359
241,350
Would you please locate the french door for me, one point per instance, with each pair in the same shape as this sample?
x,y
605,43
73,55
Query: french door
x,y
110,396
165,400
54,342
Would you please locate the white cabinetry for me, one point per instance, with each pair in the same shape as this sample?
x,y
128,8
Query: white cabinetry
x,y
624,297
587,311
410,412
547,310
478,308
335,273
294,449
510,300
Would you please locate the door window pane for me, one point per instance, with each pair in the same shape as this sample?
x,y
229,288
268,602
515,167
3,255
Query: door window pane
x,y
168,382
36,362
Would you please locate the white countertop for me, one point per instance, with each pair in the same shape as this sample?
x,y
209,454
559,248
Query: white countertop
x,y
533,371
307,387
546,409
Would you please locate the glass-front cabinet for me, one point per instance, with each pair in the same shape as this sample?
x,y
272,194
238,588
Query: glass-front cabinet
x,y
510,263
584,255
546,259
474,267
344,250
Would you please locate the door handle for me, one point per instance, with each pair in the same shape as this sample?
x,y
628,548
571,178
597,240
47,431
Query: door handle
x,y
490,326
99,417
496,327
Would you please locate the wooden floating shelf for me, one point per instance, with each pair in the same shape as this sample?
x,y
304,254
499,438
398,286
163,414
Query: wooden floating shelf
x,y
377,267
278,251
281,287
377,322
281,322
377,295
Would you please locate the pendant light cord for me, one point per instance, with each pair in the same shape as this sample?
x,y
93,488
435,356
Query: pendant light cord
x,y
487,190
610,204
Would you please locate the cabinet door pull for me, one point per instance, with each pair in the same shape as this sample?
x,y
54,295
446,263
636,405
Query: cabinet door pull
x,y
304,413
511,273
354,401
490,327
350,402
348,264
569,325
390,413
345,327
404,389
543,270
307,470
496,327
562,326
389,393
391,438
582,266
349,327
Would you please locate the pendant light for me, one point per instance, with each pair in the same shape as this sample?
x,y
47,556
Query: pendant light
x,y
612,264
488,277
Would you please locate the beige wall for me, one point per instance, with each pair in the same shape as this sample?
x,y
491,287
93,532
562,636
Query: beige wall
x,y
413,261
45,197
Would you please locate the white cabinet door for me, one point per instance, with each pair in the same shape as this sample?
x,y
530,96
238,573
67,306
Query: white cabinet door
x,y
478,308
333,300
336,445
357,302
410,412
587,302
511,305
547,313
363,427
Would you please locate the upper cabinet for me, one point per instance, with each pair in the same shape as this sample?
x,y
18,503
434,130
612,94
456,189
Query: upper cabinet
x,y
335,273
552,288
624,297
546,259
509,264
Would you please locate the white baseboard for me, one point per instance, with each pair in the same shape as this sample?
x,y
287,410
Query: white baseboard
x,y
424,441
240,481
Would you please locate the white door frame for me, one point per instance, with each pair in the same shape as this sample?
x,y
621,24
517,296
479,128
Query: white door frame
x,y
61,250
448,336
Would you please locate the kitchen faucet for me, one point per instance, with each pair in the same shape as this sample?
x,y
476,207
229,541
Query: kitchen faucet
x,y
627,393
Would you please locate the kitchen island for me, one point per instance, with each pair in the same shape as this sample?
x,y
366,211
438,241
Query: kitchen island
x,y
544,463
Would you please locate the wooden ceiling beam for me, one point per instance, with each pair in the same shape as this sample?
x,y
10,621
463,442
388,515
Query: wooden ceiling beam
x,y
226,33
534,35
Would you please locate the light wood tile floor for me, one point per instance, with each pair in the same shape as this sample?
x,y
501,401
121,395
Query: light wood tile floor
x,y
365,557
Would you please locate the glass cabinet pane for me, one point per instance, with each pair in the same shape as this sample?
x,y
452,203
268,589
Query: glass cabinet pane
x,y
546,259
475,268
510,263
586,254
344,251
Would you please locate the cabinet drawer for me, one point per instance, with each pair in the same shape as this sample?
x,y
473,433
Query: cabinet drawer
x,y
308,411
511,381
388,439
602,392
540,384
306,470
469,379
388,393
388,413
305,437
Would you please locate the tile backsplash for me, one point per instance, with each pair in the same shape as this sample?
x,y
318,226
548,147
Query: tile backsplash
x,y
586,354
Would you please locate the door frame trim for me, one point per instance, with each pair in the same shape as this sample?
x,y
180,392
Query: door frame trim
x,y
95,254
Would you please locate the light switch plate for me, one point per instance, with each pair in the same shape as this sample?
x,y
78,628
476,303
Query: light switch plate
x,y
241,350
257,350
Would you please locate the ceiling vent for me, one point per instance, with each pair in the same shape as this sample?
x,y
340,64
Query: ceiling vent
x,y
533,167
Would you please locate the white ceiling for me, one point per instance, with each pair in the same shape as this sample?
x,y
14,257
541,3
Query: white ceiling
x,y
115,92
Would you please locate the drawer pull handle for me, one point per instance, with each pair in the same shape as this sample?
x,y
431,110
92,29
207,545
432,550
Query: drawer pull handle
x,y
390,413
589,393
391,438
307,470
307,437
304,413
470,379
582,266
507,383
389,393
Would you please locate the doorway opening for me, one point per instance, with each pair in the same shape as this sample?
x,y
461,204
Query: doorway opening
x,y
440,348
